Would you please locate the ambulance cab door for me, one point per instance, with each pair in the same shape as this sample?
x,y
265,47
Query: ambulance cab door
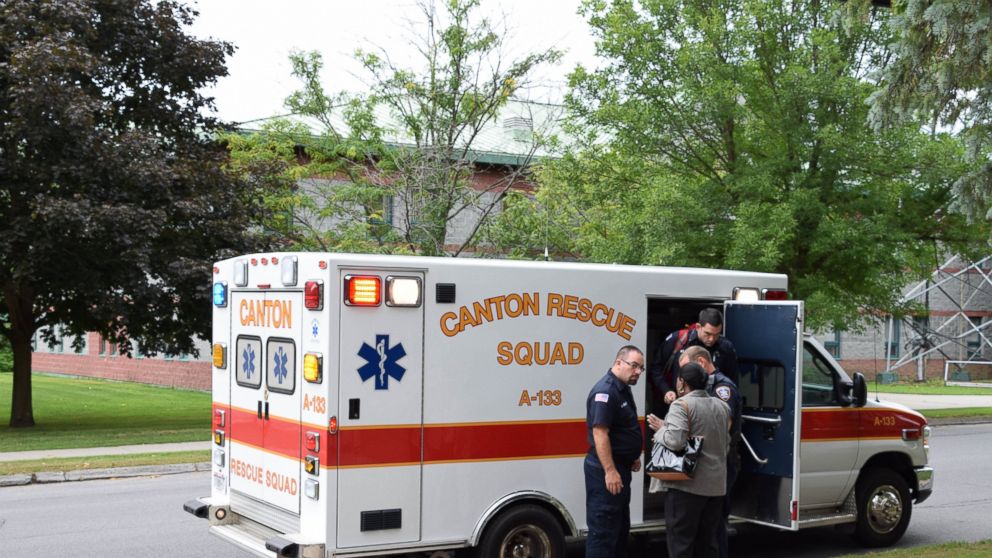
x,y
768,339
380,409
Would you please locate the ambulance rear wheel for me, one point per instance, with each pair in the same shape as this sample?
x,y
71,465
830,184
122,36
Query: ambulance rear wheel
x,y
884,507
525,531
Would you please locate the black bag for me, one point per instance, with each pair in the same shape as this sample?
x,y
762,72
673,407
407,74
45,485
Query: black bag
x,y
670,465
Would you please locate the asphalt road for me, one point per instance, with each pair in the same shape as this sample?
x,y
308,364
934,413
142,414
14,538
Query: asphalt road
x,y
143,517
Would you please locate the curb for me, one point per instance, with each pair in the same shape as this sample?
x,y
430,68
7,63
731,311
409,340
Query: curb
x,y
100,474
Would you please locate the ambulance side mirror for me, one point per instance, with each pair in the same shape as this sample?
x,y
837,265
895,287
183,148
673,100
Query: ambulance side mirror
x,y
860,390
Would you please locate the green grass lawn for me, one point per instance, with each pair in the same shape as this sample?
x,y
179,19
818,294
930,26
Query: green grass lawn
x,y
84,413
930,387
957,413
102,462
982,549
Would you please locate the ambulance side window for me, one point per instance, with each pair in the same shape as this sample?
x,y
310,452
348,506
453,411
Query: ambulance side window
x,y
818,381
248,361
762,385
280,365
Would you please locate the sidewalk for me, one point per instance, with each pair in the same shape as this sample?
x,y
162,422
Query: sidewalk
x,y
114,450
109,473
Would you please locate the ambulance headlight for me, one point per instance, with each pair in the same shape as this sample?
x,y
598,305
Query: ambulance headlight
x,y
220,294
403,291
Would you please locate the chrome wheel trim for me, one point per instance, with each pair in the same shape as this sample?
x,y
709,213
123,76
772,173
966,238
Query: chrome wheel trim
x,y
884,508
525,541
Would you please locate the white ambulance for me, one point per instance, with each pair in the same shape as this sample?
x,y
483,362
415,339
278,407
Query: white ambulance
x,y
370,405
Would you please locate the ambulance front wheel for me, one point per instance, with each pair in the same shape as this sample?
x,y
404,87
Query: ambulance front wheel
x,y
884,507
525,531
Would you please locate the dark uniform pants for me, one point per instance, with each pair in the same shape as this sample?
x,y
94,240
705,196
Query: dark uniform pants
x,y
607,516
691,523
721,531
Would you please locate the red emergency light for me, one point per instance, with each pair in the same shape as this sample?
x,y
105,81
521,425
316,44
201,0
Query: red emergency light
x,y
363,290
313,295
774,294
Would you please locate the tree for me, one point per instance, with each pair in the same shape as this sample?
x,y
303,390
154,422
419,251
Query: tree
x,y
412,139
733,134
113,196
939,72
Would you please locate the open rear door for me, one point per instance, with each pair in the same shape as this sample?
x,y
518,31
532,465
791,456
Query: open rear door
x,y
768,339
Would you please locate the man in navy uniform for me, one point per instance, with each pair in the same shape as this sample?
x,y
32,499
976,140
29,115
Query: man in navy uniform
x,y
614,436
706,334
720,386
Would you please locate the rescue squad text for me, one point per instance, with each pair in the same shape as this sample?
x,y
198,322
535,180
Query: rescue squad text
x,y
259,474
529,304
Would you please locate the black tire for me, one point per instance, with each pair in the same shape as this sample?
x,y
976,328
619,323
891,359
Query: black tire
x,y
884,507
524,531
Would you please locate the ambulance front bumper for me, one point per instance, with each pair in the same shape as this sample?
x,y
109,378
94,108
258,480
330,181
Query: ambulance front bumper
x,y
924,483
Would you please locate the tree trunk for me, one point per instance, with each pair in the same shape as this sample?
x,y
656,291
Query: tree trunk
x,y
21,409
20,305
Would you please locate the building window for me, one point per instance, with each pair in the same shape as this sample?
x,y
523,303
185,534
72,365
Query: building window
x,y
892,338
975,339
57,343
833,346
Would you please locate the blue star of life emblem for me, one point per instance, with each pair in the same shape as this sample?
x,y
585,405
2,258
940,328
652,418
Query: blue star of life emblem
x,y
280,361
380,362
248,358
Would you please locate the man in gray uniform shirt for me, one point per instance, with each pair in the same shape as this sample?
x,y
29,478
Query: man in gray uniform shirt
x,y
693,508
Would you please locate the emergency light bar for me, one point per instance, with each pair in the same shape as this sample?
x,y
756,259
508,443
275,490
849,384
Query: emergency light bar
x,y
362,290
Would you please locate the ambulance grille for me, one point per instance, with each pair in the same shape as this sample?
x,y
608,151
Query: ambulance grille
x,y
445,292
377,520
266,514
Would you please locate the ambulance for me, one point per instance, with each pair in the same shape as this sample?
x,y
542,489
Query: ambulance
x,y
373,405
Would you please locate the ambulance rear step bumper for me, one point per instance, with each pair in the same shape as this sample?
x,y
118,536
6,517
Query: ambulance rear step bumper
x,y
262,541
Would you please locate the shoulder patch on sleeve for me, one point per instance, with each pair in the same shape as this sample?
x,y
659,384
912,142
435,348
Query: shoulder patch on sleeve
x,y
602,397
723,392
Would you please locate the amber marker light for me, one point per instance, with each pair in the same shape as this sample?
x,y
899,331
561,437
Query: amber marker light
x,y
363,290
220,356
313,365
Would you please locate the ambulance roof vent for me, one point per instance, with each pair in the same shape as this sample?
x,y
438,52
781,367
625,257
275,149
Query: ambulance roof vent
x,y
445,292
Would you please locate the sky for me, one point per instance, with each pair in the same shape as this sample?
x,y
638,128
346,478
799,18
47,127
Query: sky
x,y
266,31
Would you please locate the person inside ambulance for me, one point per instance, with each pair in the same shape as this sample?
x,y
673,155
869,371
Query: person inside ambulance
x,y
707,334
720,386
614,436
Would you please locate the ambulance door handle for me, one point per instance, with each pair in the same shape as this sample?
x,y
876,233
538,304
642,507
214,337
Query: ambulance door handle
x,y
259,410
266,410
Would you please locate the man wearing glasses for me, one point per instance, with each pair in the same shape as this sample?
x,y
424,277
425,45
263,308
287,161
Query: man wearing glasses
x,y
614,436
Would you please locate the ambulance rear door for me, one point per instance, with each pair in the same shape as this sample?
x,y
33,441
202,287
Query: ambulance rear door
x,y
265,406
768,339
380,409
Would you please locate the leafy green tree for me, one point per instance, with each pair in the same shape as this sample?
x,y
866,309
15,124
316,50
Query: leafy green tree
x,y
431,115
733,134
113,199
939,72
